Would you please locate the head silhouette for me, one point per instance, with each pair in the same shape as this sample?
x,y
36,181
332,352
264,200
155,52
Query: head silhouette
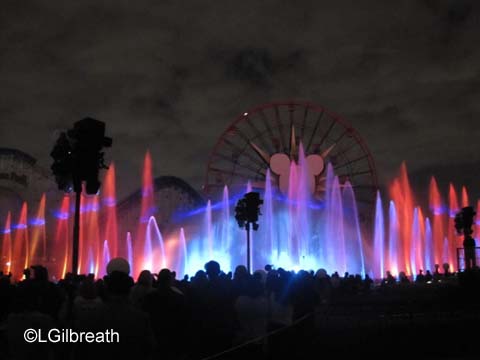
x,y
213,269
145,278
241,272
164,278
118,264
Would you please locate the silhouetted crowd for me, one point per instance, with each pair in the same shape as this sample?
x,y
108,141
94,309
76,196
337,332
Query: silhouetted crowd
x,y
161,317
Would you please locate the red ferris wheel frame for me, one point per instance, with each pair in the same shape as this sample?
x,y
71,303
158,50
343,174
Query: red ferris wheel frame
x,y
271,133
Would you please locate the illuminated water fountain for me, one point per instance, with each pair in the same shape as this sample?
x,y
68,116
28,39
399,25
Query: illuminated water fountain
x,y
296,231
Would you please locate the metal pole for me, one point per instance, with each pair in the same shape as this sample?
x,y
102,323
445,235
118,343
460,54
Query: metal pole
x,y
248,248
76,232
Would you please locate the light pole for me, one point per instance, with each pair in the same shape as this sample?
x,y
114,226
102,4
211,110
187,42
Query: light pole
x,y
246,213
77,159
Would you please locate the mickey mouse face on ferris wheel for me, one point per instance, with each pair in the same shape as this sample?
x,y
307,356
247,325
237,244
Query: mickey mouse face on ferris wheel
x,y
289,170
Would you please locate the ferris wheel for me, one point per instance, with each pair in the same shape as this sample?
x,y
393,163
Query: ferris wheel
x,y
262,137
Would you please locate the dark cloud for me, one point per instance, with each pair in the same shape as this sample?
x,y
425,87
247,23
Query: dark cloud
x,y
453,12
253,65
391,119
258,66
170,76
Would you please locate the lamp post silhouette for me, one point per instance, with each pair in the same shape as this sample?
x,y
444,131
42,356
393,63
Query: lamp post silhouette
x,y
247,211
463,225
77,159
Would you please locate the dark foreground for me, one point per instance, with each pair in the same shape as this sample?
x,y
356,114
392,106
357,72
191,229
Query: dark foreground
x,y
273,314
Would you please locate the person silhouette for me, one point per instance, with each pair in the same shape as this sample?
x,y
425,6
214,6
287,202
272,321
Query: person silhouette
x,y
446,270
428,276
420,277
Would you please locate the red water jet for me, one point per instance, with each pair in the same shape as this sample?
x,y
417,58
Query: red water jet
x,y
437,209
109,201
147,210
6,257
20,259
38,233
62,238
454,240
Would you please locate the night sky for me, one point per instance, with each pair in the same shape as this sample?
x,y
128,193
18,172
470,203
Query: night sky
x,y
171,75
